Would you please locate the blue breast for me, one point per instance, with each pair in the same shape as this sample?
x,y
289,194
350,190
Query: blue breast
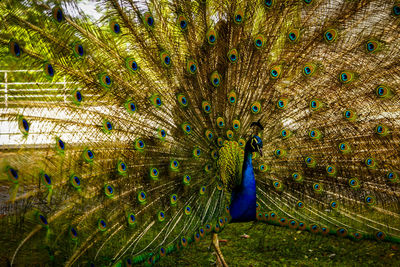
x,y
243,198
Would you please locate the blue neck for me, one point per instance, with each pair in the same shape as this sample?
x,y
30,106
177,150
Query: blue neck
x,y
243,199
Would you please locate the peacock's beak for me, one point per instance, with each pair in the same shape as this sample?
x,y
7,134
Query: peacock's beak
x,y
259,150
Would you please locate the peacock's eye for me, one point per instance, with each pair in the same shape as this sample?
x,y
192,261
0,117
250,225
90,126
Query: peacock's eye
x,y
396,10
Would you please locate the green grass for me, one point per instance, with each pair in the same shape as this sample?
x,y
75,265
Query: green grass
x,y
277,246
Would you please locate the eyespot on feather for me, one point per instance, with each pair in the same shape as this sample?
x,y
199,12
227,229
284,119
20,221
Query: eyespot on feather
x,y
105,81
232,97
309,69
187,129
182,22
58,14
220,122
215,79
182,100
206,107
330,35
259,41
269,3
131,64
48,70
141,197
139,144
23,125
148,20
346,77
107,126
191,66
310,162
154,173
15,49
282,103
275,72
165,59
315,104
155,99
349,115
211,36
78,49
294,35
238,17
255,107
115,27
130,106
77,97
233,55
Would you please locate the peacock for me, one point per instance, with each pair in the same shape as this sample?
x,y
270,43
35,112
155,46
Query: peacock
x,y
176,118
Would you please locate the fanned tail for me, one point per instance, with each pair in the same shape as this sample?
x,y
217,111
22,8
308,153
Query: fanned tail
x,y
116,154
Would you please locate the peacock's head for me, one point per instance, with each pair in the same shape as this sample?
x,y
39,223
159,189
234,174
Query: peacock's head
x,y
254,144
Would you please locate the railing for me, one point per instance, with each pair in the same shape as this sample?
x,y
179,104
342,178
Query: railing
x,y
42,103
14,91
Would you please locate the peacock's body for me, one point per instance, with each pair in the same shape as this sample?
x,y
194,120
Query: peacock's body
x,y
155,139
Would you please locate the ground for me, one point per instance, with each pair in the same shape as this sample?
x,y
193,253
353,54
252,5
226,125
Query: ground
x,y
277,246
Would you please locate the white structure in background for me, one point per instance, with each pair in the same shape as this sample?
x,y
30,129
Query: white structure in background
x,y
48,106
8,86
13,94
